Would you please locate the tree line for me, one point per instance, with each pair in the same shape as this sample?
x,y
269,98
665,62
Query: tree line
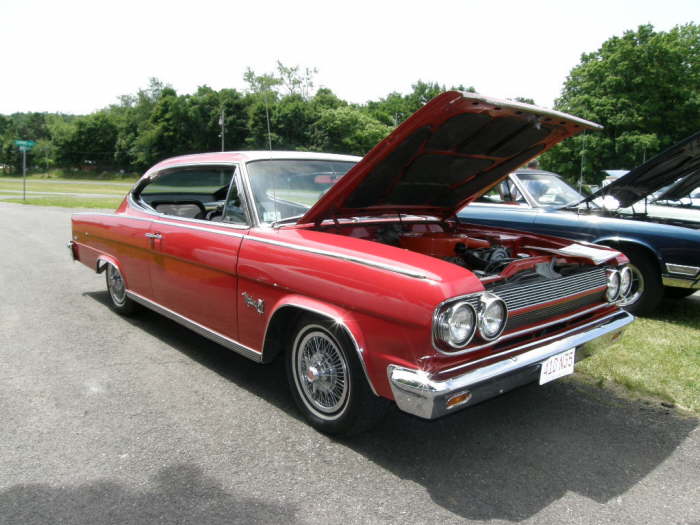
x,y
643,86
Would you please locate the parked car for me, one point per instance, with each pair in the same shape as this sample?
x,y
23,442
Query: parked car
x,y
356,272
658,190
664,259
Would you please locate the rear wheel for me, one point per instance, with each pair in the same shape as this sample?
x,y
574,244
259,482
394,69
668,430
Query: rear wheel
x,y
678,293
647,290
116,287
327,381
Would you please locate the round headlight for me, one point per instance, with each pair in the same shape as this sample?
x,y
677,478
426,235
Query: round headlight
x,y
613,292
492,316
625,281
456,325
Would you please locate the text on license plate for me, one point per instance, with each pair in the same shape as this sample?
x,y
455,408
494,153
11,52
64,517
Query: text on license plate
x,y
557,366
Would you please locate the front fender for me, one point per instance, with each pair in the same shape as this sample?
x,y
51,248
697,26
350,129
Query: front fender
x,y
341,317
632,241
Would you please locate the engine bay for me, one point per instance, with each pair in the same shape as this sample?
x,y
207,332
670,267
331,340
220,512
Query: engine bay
x,y
493,256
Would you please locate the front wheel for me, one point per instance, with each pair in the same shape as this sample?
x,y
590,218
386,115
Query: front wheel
x,y
327,381
646,290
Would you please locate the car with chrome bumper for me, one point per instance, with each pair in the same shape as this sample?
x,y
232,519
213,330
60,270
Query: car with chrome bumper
x,y
664,258
357,273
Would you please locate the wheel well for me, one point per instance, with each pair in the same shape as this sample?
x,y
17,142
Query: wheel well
x,y
279,331
626,245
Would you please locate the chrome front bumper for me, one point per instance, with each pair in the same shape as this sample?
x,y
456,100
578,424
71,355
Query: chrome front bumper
x,y
423,395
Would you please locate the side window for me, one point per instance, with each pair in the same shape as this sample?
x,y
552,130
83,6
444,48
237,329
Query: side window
x,y
234,210
496,195
195,193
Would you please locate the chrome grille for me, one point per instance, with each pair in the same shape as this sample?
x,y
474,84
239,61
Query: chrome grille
x,y
518,296
543,292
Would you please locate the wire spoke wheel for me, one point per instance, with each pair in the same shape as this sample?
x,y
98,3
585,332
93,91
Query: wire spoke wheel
x,y
321,372
115,286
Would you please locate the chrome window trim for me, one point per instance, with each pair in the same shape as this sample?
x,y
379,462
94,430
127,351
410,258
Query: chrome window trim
x,y
202,330
132,199
340,322
533,343
163,218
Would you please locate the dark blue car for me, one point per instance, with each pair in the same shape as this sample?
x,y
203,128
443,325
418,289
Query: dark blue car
x,y
665,258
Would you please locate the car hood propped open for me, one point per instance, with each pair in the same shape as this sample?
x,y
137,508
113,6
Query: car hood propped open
x,y
679,164
447,154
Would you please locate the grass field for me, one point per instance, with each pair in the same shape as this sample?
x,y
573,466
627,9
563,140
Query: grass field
x,y
67,201
658,356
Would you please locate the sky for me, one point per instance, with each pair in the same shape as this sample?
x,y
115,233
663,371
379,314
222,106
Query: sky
x,y
75,56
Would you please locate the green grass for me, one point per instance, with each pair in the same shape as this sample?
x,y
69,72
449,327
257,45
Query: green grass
x,y
14,185
658,356
69,202
67,174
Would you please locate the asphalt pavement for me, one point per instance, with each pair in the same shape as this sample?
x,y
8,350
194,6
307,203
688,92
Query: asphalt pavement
x,y
105,419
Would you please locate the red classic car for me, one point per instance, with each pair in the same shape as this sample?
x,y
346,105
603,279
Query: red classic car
x,y
356,271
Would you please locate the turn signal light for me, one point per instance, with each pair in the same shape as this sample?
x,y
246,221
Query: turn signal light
x,y
458,399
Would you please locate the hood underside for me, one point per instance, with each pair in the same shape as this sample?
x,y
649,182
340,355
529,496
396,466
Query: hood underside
x,y
680,164
445,155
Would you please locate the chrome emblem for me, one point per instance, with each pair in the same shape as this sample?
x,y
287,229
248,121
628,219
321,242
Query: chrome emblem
x,y
257,304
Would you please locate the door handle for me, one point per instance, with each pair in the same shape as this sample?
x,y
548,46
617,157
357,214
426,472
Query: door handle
x,y
153,235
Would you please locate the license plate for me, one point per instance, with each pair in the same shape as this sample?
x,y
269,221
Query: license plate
x,y
557,366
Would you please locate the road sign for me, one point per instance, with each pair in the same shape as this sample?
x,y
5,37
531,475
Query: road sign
x,y
25,145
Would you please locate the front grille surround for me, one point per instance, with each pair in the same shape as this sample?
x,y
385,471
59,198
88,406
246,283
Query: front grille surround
x,y
568,293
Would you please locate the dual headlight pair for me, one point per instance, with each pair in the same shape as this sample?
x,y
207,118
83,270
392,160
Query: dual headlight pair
x,y
619,283
455,324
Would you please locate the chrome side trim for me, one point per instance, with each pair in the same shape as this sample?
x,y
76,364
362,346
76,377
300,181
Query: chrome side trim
x,y
539,341
360,351
680,269
335,255
198,228
419,393
680,282
202,330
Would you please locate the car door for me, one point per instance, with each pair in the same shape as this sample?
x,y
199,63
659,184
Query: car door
x,y
195,242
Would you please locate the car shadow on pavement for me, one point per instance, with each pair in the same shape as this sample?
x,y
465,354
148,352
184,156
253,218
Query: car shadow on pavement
x,y
507,458
178,493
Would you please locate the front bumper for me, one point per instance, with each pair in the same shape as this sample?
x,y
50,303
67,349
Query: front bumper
x,y
423,395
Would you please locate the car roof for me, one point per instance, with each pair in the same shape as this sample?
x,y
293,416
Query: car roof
x,y
224,157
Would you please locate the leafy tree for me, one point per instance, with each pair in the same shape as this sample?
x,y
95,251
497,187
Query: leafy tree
x,y
347,130
644,87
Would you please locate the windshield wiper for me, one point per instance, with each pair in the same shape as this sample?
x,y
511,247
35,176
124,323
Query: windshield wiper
x,y
286,220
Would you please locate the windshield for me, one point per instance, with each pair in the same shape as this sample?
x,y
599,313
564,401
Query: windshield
x,y
549,190
285,189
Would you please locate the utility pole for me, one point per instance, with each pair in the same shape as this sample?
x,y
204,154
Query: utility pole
x,y
221,123
24,174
